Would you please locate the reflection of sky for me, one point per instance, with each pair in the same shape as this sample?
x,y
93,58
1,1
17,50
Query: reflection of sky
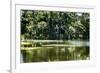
x,y
85,43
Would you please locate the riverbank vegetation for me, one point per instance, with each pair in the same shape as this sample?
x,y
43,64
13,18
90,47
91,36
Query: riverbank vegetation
x,y
54,36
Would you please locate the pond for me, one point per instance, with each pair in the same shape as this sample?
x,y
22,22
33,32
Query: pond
x,y
50,51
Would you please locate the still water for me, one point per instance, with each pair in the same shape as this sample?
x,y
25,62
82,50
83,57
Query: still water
x,y
55,51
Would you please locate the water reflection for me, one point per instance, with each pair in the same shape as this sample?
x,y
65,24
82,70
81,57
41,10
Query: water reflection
x,y
58,51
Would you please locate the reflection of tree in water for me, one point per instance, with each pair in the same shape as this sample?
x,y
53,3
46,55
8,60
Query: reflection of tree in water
x,y
54,25
56,54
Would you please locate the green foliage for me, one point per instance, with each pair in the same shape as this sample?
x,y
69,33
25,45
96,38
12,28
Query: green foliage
x,y
54,25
